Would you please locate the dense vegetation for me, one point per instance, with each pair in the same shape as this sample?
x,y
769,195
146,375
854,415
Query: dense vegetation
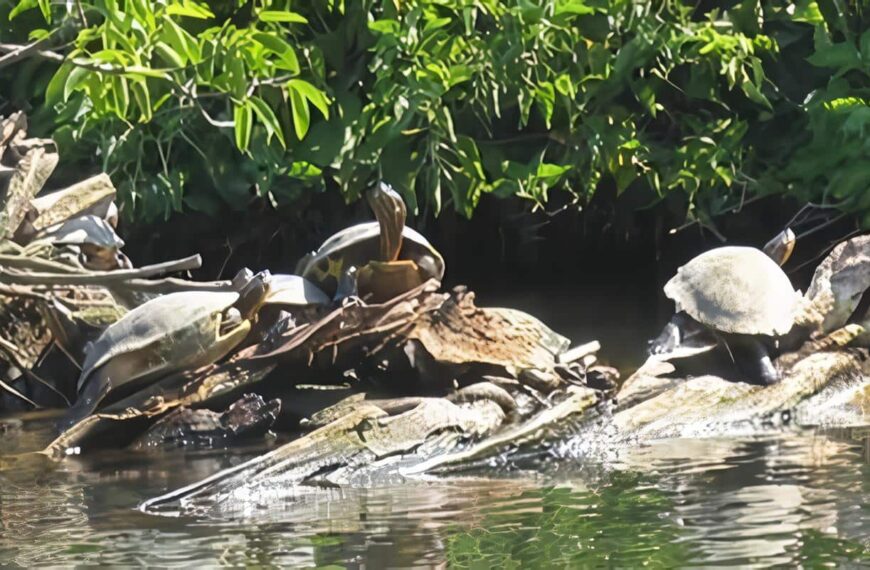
x,y
195,105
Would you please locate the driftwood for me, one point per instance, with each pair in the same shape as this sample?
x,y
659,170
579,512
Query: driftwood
x,y
248,417
362,437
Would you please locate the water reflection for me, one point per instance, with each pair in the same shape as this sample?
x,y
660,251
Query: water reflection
x,y
793,499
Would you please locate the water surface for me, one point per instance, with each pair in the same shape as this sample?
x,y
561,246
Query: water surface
x,y
796,498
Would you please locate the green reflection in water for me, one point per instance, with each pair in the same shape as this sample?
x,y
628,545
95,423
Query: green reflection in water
x,y
623,524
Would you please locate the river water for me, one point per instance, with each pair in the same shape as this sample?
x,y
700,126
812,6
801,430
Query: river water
x,y
795,498
788,499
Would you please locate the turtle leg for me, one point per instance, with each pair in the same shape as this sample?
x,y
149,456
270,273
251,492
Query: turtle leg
x,y
86,404
682,331
753,359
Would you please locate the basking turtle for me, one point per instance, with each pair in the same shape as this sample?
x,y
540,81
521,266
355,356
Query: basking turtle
x,y
96,240
174,332
741,296
391,257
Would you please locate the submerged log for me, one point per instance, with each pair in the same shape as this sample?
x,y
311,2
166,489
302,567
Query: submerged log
x,y
361,437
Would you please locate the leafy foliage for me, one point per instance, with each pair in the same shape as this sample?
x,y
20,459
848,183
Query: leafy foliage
x,y
195,104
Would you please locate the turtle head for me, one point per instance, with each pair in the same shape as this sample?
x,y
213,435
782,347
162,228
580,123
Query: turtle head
x,y
390,211
253,292
839,282
781,246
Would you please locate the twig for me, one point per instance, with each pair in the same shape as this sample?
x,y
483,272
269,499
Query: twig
x,y
822,226
172,285
38,264
824,251
100,277
16,53
16,291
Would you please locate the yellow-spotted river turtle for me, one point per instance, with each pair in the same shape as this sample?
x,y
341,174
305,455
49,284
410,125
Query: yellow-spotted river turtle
x,y
390,258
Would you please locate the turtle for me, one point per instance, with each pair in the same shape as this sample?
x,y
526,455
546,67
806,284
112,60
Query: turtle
x,y
98,244
736,294
170,333
389,256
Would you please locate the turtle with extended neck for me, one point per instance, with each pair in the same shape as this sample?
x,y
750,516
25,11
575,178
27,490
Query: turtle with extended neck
x,y
382,258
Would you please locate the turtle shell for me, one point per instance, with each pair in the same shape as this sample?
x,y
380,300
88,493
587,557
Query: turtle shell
x,y
177,328
84,230
356,246
736,290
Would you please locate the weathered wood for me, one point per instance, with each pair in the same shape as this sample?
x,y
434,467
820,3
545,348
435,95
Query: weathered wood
x,y
105,278
90,196
461,333
31,172
708,404
361,437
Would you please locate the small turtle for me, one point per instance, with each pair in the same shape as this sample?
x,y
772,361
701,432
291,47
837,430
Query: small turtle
x,y
741,296
94,237
391,257
178,331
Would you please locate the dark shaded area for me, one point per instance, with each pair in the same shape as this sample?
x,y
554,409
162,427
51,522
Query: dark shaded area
x,y
590,273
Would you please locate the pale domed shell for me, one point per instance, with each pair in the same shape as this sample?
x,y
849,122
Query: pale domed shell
x,y
736,290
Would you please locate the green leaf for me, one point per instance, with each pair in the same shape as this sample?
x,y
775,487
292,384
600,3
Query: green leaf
x,y
807,11
75,78
243,117
545,96
301,113
385,26
238,80
169,55
141,72
550,170
284,51
189,9
270,121
143,100
755,94
121,96
573,7
37,34
22,6
45,8
841,55
865,47
181,41
314,95
54,91
281,16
